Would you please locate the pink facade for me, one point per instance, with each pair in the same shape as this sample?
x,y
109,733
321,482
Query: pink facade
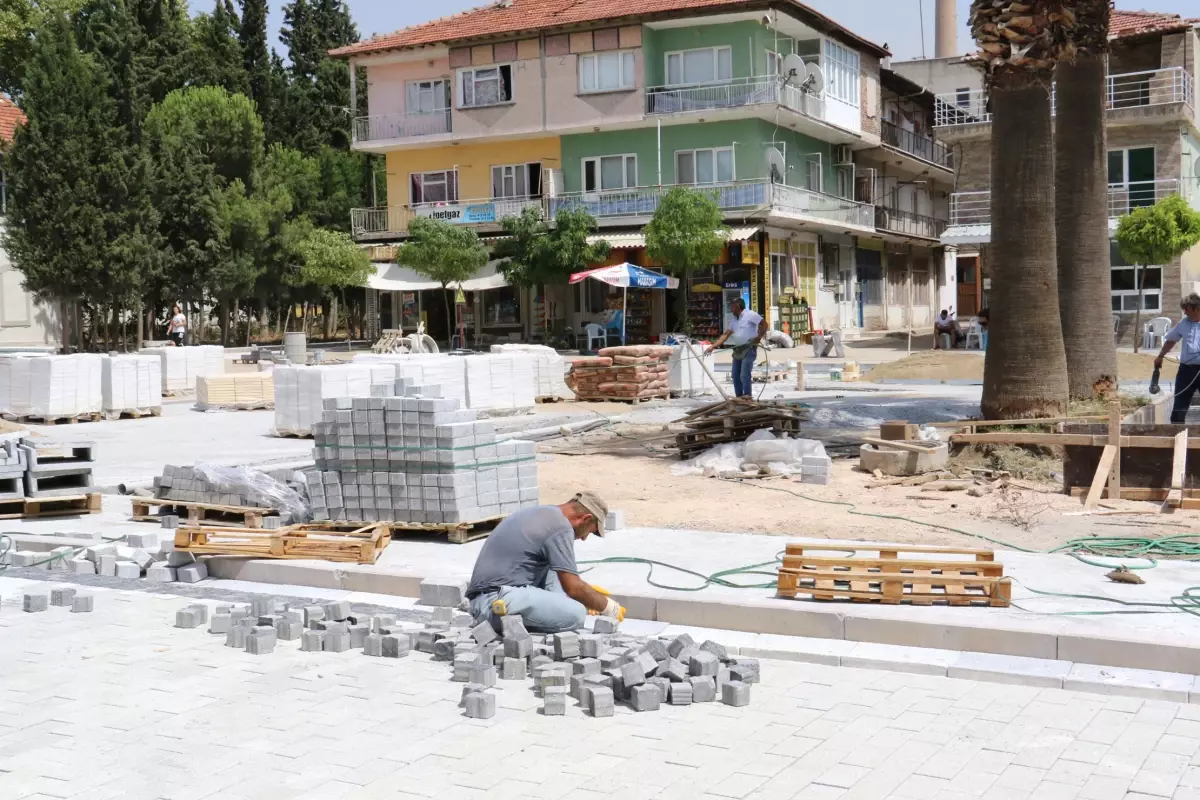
x,y
386,92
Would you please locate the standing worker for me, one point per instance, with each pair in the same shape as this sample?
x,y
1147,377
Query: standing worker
x,y
745,332
527,568
177,327
1188,376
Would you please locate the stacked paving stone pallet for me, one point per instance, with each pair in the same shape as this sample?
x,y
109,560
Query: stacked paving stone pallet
x,y
416,458
549,368
625,373
486,381
300,392
194,485
181,366
139,554
50,387
236,391
131,384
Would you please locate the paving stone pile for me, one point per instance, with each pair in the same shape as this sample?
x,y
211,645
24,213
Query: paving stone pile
x,y
597,668
66,597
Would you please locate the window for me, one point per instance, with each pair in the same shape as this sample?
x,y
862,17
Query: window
x,y
1124,284
485,86
704,166
845,181
1131,170
814,173
427,97
706,65
517,180
962,97
434,187
841,73
774,63
609,173
606,72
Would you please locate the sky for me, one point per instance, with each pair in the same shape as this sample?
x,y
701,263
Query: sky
x,y
896,22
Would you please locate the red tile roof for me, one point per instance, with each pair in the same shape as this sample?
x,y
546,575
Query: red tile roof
x,y
526,16
1138,23
10,118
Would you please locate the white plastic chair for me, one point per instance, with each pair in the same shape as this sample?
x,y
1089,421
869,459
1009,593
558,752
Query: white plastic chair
x,y
1116,326
595,332
975,333
1154,332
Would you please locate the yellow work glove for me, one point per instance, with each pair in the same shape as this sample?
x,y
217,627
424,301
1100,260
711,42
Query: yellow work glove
x,y
601,590
614,610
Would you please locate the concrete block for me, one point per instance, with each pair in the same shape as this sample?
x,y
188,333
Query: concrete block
x,y
566,645
590,645
335,641
337,611
481,705
513,627
673,670
161,573
236,637
446,615
513,669
220,623
444,592
483,675
93,553
518,648
373,645
261,641
202,611
191,573
81,566
747,667
188,618
735,693
82,603
396,645
169,521
679,644
107,565
61,596
310,641
382,622
312,614
145,541
425,641
468,689
483,633
604,625
128,569
601,702
615,520
180,558
262,605
288,630
703,663
358,634
586,666
704,689
554,701
868,655
717,649
1150,684
681,693
657,649
646,697
632,675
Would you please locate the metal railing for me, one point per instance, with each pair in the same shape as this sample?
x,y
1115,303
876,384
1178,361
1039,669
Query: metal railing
x,y
768,90
923,147
401,126
908,224
739,196
975,208
1125,90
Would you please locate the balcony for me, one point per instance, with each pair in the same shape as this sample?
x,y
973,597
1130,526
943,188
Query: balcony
x,y
1128,90
916,145
975,208
739,93
629,207
905,223
401,126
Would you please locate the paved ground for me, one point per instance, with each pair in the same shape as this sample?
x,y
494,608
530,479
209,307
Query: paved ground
x,y
119,704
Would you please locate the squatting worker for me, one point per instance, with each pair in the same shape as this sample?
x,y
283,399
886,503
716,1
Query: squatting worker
x,y
1187,380
527,568
745,332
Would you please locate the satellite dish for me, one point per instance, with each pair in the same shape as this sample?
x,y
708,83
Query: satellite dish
x,y
794,70
776,165
815,83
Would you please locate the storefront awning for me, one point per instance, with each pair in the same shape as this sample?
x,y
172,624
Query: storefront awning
x,y
622,241
393,277
967,234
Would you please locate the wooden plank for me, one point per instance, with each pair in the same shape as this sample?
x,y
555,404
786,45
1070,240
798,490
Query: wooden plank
x,y
1178,469
1068,439
991,423
890,551
905,446
989,568
1098,480
1114,438
1140,493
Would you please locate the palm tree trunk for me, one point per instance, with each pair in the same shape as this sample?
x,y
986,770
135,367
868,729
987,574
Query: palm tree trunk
x,y
1025,374
1081,222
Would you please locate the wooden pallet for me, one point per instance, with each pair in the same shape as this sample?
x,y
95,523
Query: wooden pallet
x,y
68,505
896,575
313,540
456,532
293,435
34,419
199,514
614,399
732,421
773,376
133,413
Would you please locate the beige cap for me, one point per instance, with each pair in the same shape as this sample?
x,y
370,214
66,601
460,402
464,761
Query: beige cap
x,y
597,507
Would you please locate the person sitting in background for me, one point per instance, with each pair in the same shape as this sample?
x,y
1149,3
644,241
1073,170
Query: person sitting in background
x,y
945,323
984,316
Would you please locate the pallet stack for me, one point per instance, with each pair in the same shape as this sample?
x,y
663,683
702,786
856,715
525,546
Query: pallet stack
x,y
49,389
634,372
235,392
735,419
131,385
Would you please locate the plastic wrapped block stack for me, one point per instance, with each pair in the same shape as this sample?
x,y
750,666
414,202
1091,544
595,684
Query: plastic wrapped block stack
x,y
416,459
549,368
628,373
301,391
235,391
501,381
50,387
181,366
687,375
130,383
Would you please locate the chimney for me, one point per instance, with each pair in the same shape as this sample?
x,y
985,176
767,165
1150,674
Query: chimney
x,y
946,30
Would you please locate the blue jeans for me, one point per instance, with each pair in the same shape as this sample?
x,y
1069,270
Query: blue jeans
x,y
1187,380
543,610
743,368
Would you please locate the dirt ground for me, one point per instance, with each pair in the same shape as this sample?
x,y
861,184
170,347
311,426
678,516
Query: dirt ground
x,y
959,365
636,478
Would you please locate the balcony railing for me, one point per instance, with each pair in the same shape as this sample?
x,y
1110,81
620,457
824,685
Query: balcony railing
x,y
917,145
975,208
740,197
1125,90
906,223
733,94
401,126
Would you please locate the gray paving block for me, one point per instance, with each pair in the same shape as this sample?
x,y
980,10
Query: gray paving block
x,y
513,669
679,644
81,566
396,645
681,694
335,640
128,569
373,645
313,614
261,641
513,627
288,630
518,648
735,693
646,697
716,648
632,675
673,670
149,541
220,623
704,689
236,637
745,670
554,702
485,676
704,663
590,645
337,611
601,702
310,641
445,614
107,565
586,666
188,618
481,705
358,634
483,633
657,649
61,596
605,625
180,558
191,573
82,603
442,592
566,645
161,573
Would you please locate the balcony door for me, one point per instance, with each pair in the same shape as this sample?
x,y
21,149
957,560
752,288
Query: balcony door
x,y
1132,170
703,65
428,97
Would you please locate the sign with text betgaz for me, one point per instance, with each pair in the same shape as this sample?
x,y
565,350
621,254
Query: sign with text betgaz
x,y
460,214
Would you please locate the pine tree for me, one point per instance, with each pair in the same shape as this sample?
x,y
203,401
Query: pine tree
x,y
302,38
256,58
216,54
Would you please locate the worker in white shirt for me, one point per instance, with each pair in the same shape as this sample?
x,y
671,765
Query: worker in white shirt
x,y
1187,379
745,332
945,323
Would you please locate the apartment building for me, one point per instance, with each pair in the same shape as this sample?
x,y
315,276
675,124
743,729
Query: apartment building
x,y
1154,151
821,160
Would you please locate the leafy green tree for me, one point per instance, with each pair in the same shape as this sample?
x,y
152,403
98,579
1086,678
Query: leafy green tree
x,y
216,54
686,234
1156,235
331,260
20,20
442,252
256,57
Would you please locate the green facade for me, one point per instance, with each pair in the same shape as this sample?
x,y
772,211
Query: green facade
x,y
749,138
749,43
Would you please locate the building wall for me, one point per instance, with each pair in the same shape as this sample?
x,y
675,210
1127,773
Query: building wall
x,y
474,162
522,115
566,106
745,40
1168,151
23,321
940,75
386,92
871,92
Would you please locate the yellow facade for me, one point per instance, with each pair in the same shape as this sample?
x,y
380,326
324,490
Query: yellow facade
x,y
474,163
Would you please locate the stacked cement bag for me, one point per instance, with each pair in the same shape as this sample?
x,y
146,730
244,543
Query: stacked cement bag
x,y
50,387
632,372
300,391
182,365
130,383
549,368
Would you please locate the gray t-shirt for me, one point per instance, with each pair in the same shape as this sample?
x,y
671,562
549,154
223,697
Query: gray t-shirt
x,y
523,548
